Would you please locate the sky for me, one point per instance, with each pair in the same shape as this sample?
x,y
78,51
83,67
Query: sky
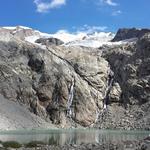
x,y
75,15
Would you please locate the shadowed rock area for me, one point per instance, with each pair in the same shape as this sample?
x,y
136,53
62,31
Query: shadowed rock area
x,y
125,33
49,41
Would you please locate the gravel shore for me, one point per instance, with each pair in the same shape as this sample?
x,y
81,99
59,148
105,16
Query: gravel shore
x,y
124,145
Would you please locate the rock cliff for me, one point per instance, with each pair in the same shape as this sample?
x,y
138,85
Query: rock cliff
x,y
76,86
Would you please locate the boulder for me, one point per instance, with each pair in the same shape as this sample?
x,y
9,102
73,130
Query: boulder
x,y
49,41
115,93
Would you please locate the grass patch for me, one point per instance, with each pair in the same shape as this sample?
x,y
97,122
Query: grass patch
x,y
11,144
34,144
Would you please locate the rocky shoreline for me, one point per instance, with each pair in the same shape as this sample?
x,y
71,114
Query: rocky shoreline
x,y
124,145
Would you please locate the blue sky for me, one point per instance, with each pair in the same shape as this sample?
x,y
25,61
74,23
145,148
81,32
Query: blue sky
x,y
53,15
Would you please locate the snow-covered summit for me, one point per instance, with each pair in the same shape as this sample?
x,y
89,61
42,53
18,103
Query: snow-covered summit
x,y
95,39
16,27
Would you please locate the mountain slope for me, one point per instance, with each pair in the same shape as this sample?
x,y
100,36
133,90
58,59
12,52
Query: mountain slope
x,y
13,116
74,86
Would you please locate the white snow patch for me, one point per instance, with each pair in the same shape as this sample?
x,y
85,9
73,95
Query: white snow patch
x,y
23,27
32,39
9,28
44,35
94,40
66,37
16,27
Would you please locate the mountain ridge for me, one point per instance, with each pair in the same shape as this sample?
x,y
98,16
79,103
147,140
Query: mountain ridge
x,y
95,39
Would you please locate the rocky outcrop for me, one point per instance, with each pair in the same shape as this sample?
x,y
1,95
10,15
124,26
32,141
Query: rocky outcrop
x,y
49,41
44,79
19,33
115,93
125,33
130,66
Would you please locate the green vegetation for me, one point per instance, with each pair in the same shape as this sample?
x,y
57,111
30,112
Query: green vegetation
x,y
34,144
11,144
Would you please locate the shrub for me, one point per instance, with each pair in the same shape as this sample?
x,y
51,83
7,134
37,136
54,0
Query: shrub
x,y
34,144
11,144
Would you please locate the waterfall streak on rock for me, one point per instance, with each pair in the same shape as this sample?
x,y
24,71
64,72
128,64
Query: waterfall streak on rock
x,y
107,91
70,99
97,115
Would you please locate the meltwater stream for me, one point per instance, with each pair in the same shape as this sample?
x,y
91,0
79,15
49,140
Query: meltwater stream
x,y
70,99
105,96
72,136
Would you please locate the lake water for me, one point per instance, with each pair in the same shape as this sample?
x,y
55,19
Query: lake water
x,y
72,136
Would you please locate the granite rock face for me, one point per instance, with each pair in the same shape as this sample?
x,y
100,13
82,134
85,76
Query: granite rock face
x,y
130,64
59,84
74,86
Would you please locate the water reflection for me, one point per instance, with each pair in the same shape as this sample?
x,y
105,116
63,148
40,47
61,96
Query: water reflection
x,y
62,137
